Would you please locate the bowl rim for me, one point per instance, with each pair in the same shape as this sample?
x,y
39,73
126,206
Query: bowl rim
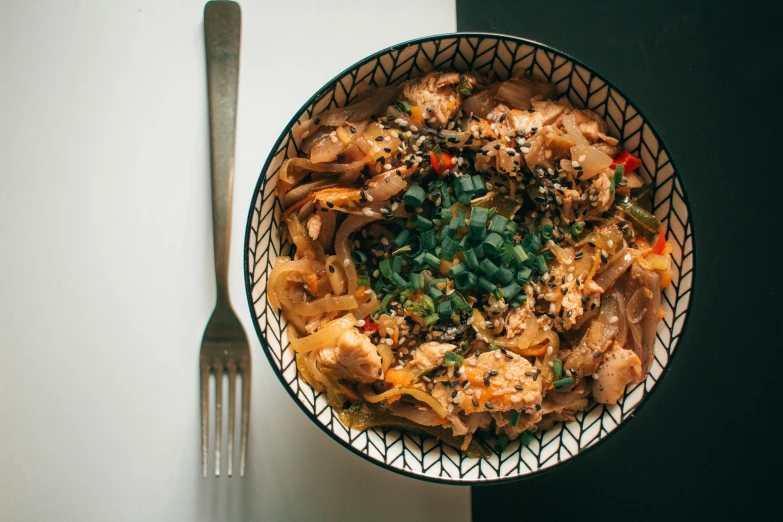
x,y
248,275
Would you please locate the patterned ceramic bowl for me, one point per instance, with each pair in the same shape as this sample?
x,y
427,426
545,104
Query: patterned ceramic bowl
x,y
425,457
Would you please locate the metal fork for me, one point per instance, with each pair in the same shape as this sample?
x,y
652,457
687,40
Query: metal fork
x,y
224,346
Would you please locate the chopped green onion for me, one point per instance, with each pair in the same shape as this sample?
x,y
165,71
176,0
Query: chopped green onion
x,y
421,223
471,259
438,282
511,229
466,281
358,256
531,244
451,358
459,302
519,254
444,309
456,270
577,228
514,417
493,347
428,303
461,217
403,106
479,187
548,255
492,244
509,291
363,280
418,261
501,443
431,260
386,300
427,239
402,238
449,247
399,281
397,264
464,184
557,368
479,250
444,194
450,230
414,196
487,285
498,224
505,275
417,281
563,382
489,268
546,232
385,268
431,319
523,275
541,264
435,292
445,214
526,438
478,222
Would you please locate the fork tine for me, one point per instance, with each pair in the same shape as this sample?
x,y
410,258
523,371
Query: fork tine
x,y
218,413
244,366
204,416
231,365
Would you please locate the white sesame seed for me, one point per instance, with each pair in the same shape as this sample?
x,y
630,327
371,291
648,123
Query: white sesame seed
x,y
384,241
369,213
346,262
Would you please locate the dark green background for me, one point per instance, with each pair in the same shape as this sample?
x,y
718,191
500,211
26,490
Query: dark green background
x,y
707,76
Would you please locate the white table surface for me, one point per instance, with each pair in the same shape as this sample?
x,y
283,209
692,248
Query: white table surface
x,y
106,278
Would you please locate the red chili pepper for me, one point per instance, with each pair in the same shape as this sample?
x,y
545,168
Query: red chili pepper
x,y
660,245
441,162
628,161
369,325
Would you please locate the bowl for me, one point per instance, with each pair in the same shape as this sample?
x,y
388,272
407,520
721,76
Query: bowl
x,y
425,457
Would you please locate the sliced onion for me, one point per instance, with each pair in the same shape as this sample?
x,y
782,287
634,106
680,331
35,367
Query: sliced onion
x,y
592,160
278,277
313,137
328,224
374,104
419,395
482,103
296,194
638,305
622,322
366,308
384,186
326,149
531,329
569,122
342,246
322,305
336,274
517,93
615,270
304,166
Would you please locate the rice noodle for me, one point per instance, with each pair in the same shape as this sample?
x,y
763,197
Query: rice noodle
x,y
419,395
343,247
336,274
322,305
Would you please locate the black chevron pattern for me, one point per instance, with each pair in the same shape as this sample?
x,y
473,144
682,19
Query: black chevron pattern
x,y
425,457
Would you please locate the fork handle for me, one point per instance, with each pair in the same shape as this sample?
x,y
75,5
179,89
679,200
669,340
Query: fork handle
x,y
222,27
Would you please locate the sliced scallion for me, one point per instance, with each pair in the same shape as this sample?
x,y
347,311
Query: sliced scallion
x,y
470,258
385,267
358,256
444,309
363,280
417,281
566,381
451,358
557,368
414,196
431,319
489,268
421,223
399,281
513,419
402,238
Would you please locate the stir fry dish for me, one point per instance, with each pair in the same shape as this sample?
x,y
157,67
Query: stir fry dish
x,y
474,259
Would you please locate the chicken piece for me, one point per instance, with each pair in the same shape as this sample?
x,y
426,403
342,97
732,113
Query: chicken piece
x,y
570,204
516,320
354,358
468,425
505,377
601,188
426,357
429,355
314,225
618,369
585,358
436,94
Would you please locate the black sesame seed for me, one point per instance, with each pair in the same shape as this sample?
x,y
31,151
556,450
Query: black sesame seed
x,y
330,204
486,382
331,269
493,373
353,129
596,355
518,387
489,405
503,117
475,402
454,394
475,118
379,138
